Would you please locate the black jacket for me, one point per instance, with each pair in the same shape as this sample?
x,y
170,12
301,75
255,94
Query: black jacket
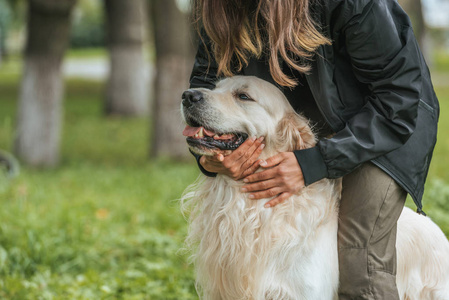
x,y
373,88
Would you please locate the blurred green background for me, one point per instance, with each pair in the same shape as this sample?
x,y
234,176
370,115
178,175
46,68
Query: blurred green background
x,y
105,222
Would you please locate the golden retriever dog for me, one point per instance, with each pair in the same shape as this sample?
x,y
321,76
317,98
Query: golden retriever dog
x,y
242,250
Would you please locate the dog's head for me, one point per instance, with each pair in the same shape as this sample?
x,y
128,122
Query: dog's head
x,y
221,119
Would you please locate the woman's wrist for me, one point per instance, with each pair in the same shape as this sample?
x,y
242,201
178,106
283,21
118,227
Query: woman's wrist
x,y
312,164
201,167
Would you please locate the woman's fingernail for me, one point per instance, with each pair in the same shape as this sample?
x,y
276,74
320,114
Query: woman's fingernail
x,y
267,205
261,139
253,138
263,163
262,146
245,180
251,196
243,190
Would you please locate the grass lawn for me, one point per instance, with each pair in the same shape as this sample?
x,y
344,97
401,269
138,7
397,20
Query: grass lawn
x,y
103,225
106,224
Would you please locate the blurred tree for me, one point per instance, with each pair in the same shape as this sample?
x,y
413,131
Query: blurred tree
x,y
5,20
40,104
126,90
1,45
414,9
174,61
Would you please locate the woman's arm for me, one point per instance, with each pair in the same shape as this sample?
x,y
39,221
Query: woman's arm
x,y
204,73
385,58
241,162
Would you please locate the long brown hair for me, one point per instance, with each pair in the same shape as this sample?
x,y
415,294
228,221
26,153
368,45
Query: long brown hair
x,y
287,31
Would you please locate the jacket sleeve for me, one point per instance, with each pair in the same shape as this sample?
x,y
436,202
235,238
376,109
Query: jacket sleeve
x,y
204,75
203,170
385,58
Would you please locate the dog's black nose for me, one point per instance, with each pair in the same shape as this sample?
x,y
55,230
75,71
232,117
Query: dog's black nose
x,y
190,97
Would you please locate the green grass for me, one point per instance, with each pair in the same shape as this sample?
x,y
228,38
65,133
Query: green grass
x,y
87,232
441,158
106,224
436,195
441,61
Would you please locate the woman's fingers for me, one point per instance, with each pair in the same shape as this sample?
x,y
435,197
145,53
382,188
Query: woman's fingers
x,y
282,178
278,200
239,163
252,163
273,161
260,186
243,158
264,175
212,163
265,194
252,153
252,169
242,149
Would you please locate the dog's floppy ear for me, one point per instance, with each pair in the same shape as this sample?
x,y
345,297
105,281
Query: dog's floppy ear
x,y
294,133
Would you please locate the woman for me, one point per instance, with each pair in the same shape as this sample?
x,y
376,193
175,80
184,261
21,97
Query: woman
x,y
354,68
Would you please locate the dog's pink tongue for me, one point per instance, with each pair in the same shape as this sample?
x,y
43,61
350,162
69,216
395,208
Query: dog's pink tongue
x,y
190,131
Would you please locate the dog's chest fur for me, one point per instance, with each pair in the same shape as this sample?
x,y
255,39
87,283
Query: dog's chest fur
x,y
245,251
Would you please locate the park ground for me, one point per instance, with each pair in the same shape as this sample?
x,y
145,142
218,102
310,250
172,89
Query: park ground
x,y
106,223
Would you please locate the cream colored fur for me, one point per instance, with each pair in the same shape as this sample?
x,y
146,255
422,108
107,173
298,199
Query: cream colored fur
x,y
242,250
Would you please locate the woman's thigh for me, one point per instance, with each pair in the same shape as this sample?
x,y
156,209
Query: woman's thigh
x,y
370,206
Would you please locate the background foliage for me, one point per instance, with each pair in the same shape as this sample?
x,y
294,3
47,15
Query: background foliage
x,y
88,28
106,224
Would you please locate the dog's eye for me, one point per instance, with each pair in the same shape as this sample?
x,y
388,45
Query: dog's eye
x,y
244,97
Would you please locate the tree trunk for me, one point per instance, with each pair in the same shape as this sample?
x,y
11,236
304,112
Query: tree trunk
x,y
415,11
1,46
174,53
127,87
40,104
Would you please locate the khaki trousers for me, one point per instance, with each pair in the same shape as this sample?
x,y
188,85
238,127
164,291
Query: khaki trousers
x,y
370,206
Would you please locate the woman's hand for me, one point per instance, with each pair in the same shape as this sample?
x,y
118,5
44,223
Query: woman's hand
x,y
283,179
240,163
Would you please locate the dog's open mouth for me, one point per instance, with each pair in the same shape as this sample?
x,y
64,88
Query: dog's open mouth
x,y
198,136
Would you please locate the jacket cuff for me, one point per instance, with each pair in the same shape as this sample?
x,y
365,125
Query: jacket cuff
x,y
203,170
312,164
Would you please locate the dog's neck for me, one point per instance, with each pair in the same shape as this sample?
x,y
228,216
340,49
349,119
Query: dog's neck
x,y
270,150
